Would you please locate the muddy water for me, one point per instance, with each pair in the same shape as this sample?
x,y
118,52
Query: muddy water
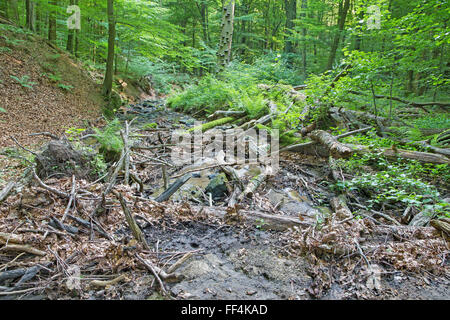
x,y
233,263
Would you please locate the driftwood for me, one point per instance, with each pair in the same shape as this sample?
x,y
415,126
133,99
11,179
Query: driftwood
x,y
173,188
336,149
256,218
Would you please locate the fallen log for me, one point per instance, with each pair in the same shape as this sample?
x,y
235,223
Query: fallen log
x,y
337,149
173,188
256,218
254,184
210,125
407,102
226,113
394,153
302,146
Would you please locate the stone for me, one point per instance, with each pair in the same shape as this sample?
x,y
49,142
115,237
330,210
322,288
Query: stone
x,y
218,187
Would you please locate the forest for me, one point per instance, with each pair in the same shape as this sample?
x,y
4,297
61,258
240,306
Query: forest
x,y
224,149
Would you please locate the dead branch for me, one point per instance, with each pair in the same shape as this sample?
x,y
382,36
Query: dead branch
x,y
6,191
137,232
173,188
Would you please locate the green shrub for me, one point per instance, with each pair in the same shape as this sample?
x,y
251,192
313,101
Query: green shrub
x,y
111,143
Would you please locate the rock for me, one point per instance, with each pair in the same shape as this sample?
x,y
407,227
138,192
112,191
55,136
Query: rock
x,y
218,187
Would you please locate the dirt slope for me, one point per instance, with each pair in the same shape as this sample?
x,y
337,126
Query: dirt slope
x,y
45,106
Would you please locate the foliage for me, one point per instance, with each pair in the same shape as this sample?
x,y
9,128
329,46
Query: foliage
x,y
24,81
111,143
393,186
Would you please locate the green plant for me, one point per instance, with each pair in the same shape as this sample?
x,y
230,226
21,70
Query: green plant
x,y
2,110
111,143
65,87
24,81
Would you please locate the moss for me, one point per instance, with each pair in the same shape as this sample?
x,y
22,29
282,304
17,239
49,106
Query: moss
x,y
212,124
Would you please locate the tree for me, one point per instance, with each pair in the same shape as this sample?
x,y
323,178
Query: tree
x,y
4,8
291,15
52,21
226,38
107,83
343,9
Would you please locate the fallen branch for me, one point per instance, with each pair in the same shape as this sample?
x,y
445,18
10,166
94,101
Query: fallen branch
x,y
337,149
134,227
105,283
6,191
256,218
173,188
23,248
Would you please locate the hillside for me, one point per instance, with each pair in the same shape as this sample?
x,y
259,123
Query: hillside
x,y
55,93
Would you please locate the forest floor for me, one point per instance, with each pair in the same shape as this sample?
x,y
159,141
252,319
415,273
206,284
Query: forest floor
x,y
42,90
222,254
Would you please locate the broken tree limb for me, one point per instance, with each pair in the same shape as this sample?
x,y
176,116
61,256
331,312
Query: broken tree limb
x,y
173,188
48,188
23,248
6,191
178,264
300,147
132,224
209,125
339,205
72,198
270,221
10,238
253,185
105,283
407,102
226,113
336,149
394,153
126,150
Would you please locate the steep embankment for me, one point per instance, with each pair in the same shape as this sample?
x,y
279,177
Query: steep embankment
x,y
41,88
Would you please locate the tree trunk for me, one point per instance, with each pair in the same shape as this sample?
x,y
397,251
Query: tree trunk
x,y
341,23
52,22
70,35
291,15
15,11
30,21
304,7
4,8
107,83
226,38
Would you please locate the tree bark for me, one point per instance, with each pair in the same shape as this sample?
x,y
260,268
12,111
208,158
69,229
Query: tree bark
x,y
341,23
52,22
337,149
107,83
226,39
290,7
